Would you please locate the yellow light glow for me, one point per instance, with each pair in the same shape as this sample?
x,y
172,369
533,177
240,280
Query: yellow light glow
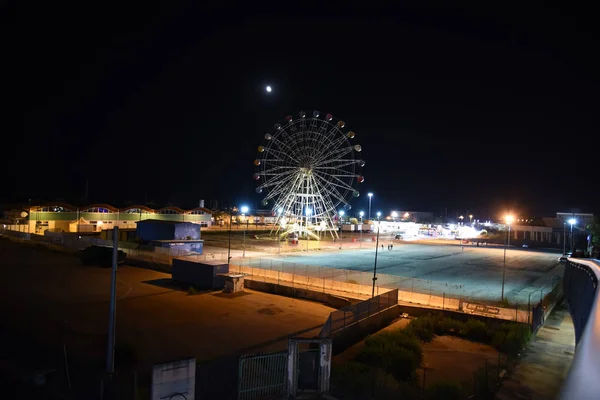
x,y
509,219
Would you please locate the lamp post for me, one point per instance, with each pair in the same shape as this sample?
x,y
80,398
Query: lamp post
x,y
572,222
394,215
308,213
229,245
244,210
370,197
509,220
376,249
564,238
342,213
471,219
461,219
361,227
279,211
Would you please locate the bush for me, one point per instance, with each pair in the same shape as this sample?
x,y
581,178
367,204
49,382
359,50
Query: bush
x,y
516,338
476,330
192,291
504,303
498,339
423,327
398,353
355,380
444,391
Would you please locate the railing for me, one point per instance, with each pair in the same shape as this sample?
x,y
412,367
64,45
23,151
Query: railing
x,y
262,375
581,292
349,315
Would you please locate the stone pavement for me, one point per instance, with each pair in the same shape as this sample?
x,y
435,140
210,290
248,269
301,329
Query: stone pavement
x,y
545,363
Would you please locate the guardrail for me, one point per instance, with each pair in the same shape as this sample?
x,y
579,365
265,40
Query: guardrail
x,y
581,292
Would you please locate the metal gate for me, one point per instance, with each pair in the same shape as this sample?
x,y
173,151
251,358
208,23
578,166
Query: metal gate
x,y
262,375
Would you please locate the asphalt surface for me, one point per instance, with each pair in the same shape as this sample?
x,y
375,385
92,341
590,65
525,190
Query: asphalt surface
x,y
466,271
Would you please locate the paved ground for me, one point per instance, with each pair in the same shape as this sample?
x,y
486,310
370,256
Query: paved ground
x,y
42,289
474,272
546,361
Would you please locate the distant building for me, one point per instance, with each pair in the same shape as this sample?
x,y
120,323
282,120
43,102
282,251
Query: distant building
x,y
583,219
153,229
62,217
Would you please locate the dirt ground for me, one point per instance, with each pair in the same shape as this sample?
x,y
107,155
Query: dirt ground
x,y
50,298
446,358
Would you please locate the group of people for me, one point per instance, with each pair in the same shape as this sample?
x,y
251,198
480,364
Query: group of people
x,y
390,246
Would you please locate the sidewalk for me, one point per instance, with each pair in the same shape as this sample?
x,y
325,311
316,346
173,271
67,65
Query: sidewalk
x,y
545,363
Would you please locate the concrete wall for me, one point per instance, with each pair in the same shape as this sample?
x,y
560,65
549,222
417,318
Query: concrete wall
x,y
290,291
352,334
580,287
187,231
148,231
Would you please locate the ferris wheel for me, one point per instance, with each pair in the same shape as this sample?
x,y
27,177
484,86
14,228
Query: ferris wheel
x,y
308,170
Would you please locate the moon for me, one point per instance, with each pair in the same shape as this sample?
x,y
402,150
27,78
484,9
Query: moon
x,y
268,89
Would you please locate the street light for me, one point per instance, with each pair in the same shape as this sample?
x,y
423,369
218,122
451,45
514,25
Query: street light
x,y
244,210
509,219
376,249
308,212
370,197
461,218
361,227
470,218
394,215
572,222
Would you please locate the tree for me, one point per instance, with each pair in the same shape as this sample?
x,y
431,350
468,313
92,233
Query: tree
x,y
594,229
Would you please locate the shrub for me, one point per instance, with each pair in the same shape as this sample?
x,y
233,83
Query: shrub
x,y
355,380
398,353
101,256
476,330
444,391
504,303
498,339
422,327
517,337
192,290
449,326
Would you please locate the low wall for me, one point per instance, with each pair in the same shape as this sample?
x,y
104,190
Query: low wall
x,y
354,290
289,291
354,333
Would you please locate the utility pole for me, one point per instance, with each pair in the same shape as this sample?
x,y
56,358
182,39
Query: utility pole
x,y
375,266
110,347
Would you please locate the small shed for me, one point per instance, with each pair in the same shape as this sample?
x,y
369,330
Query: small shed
x,y
205,274
149,230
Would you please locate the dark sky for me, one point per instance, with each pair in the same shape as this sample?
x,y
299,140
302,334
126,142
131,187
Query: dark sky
x,y
464,108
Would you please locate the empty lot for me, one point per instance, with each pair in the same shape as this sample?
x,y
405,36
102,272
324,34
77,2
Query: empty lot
x,y
470,271
41,290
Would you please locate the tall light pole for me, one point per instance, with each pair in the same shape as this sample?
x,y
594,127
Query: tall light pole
x,y
376,249
394,215
572,222
564,238
471,219
244,210
308,213
229,245
361,226
509,219
342,213
370,197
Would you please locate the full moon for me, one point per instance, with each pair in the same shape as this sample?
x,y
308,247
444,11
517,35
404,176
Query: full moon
x,y
269,89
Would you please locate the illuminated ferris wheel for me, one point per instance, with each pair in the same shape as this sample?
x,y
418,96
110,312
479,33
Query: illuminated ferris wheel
x,y
307,171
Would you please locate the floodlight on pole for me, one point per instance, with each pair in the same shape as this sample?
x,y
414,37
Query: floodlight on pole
x,y
370,197
509,219
572,222
244,210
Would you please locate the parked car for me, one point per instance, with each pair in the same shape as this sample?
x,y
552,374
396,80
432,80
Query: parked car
x,y
398,236
100,256
563,258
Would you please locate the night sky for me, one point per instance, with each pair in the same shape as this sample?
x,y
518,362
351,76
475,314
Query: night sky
x,y
456,109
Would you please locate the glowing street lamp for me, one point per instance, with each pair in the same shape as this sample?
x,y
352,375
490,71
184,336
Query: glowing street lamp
x,y
308,212
244,210
572,222
470,218
370,197
394,215
509,220
376,249
461,218
361,214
